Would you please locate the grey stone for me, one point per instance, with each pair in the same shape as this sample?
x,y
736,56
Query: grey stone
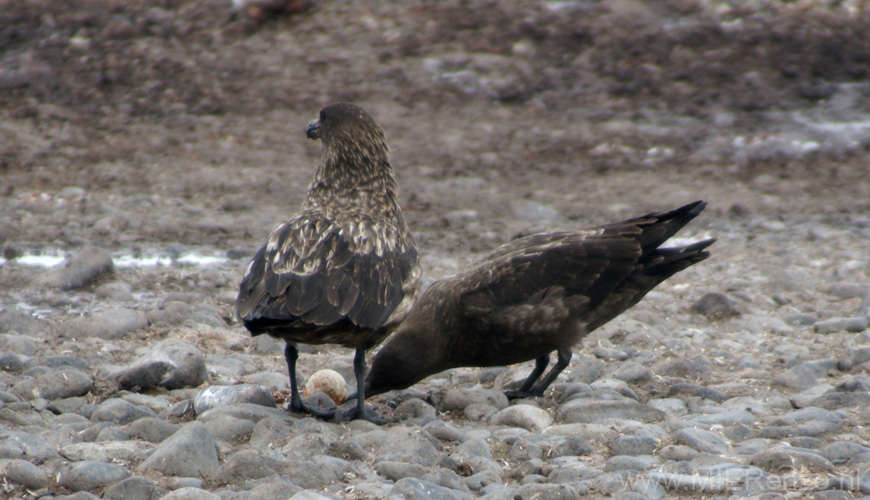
x,y
633,445
21,445
78,269
246,411
786,458
110,451
88,475
150,429
696,390
58,361
475,446
16,320
402,444
625,462
109,324
583,411
269,491
804,422
693,368
588,368
703,441
481,480
550,491
731,417
309,495
715,306
189,452
230,428
841,451
836,400
24,473
444,431
840,324
525,450
398,470
692,483
415,489
459,398
533,211
119,412
10,362
446,478
219,395
171,363
314,473
115,290
572,446
416,411
190,493
479,411
245,465
61,384
677,453
632,373
528,417
310,443
134,488
797,377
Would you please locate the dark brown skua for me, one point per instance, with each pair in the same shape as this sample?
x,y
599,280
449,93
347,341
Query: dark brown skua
x,y
532,296
345,270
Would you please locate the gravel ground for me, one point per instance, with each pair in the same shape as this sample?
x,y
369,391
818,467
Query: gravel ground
x,y
153,147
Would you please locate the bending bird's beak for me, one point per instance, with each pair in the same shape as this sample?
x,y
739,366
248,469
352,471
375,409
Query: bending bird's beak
x,y
312,131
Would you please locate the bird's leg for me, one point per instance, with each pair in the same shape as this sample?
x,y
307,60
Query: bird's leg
x,y
563,357
359,411
523,392
291,354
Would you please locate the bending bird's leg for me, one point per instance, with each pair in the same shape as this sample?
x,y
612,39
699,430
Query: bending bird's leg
x,y
562,360
359,411
291,354
523,392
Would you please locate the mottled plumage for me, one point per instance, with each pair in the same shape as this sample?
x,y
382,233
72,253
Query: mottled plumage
x,y
532,296
345,270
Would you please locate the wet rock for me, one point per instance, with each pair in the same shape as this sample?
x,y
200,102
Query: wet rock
x,y
715,306
215,395
23,473
189,452
459,399
119,412
78,269
703,441
797,377
633,445
88,475
786,458
524,416
134,488
109,324
172,364
840,324
584,411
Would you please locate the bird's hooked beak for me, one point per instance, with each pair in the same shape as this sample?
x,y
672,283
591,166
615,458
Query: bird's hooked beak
x,y
312,131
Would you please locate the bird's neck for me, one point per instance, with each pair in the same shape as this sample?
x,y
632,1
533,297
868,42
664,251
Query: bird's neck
x,y
361,183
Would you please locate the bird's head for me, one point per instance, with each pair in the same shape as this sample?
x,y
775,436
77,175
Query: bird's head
x,y
344,125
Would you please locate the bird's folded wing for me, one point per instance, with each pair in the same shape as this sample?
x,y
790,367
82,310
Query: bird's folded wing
x,y
322,272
